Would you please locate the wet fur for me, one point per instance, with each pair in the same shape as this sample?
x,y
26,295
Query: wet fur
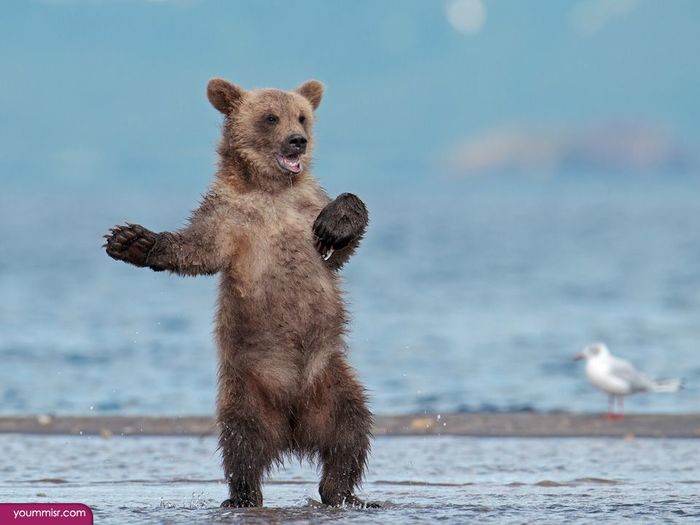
x,y
285,386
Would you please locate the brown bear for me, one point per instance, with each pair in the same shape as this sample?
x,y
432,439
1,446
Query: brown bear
x,y
277,241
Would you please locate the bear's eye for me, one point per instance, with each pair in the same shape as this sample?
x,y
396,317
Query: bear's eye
x,y
302,119
272,119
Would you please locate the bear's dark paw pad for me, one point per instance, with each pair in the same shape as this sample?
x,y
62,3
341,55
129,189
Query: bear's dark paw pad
x,y
131,243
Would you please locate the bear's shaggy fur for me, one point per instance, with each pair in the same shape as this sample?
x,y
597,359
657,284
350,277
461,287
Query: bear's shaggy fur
x,y
277,241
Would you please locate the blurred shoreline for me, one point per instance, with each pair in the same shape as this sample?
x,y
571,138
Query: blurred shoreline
x,y
479,424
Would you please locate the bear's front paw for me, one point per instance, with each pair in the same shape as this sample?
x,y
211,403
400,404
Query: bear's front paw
x,y
131,243
339,223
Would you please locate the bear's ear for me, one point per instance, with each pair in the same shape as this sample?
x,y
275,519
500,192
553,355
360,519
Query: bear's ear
x,y
312,90
223,95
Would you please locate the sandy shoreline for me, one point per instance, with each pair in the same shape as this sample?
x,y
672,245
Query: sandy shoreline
x,y
461,424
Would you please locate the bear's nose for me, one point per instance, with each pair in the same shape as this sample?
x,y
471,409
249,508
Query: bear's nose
x,y
297,143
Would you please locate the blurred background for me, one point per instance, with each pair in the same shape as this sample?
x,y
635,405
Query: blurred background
x,y
532,173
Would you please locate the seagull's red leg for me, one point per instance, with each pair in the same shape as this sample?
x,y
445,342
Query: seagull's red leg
x,y
622,407
611,407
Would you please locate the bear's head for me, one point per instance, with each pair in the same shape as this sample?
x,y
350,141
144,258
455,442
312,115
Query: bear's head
x,y
269,130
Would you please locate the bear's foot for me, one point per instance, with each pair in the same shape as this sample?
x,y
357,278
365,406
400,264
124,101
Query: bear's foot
x,y
349,500
239,503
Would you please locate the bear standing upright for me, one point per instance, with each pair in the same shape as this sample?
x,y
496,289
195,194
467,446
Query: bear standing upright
x,y
277,241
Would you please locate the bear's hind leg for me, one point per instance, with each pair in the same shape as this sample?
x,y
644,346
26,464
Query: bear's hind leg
x,y
250,442
337,425
344,455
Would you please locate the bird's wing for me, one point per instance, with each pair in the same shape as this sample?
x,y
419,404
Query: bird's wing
x,y
625,371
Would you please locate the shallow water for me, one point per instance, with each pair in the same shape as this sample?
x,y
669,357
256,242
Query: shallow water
x,y
418,480
471,299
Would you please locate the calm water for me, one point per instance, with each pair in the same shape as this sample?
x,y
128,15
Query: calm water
x,y
418,480
474,298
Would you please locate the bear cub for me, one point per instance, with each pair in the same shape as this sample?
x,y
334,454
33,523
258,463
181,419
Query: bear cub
x,y
277,242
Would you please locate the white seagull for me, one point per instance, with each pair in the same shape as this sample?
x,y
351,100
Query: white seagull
x,y
618,378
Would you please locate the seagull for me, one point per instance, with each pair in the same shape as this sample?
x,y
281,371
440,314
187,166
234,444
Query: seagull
x,y
618,378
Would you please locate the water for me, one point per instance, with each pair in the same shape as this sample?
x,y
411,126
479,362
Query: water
x,y
468,297
417,480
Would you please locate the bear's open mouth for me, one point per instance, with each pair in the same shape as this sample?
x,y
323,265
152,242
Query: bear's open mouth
x,y
289,162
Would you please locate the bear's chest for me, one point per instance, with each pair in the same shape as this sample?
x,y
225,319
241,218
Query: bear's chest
x,y
276,246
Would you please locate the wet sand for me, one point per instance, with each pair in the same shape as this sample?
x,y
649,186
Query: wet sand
x,y
438,479
529,424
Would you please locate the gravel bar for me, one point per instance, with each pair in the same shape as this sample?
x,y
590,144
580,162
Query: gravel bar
x,y
520,424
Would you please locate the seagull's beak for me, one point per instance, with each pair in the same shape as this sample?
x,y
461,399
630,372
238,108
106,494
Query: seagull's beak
x,y
579,356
